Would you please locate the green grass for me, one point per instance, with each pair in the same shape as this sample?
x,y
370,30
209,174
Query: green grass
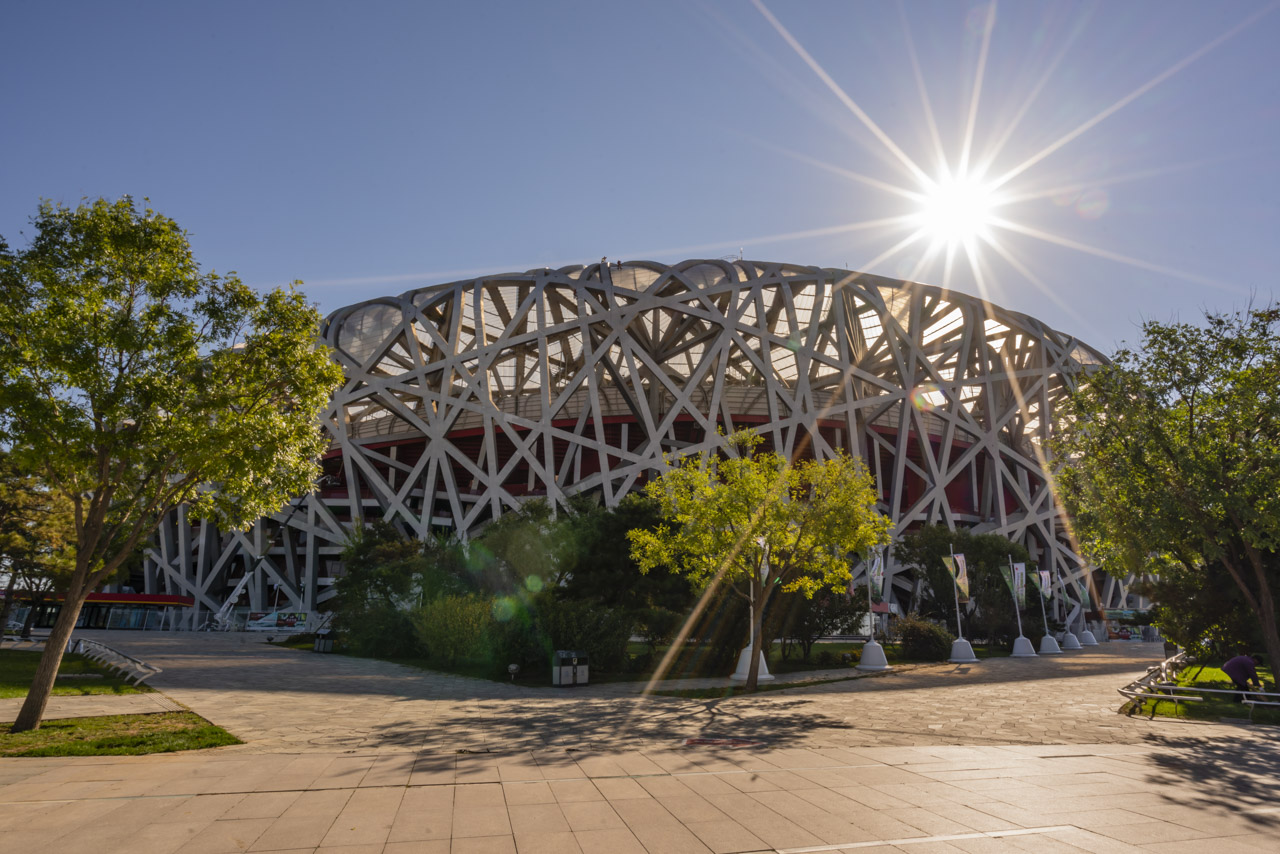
x,y
305,642
1215,706
18,668
116,735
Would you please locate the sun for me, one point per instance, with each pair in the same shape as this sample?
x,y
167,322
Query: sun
x,y
956,209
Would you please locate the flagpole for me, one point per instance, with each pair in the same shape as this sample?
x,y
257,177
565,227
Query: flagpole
x,y
873,657
1013,591
955,589
1044,618
871,614
1048,643
1022,647
961,649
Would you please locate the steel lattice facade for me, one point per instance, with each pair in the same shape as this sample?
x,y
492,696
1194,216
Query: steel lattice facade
x,y
464,399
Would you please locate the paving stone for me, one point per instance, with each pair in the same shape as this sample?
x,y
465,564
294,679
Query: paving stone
x,y
353,755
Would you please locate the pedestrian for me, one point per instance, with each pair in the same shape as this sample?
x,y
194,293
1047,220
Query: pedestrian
x,y
1243,669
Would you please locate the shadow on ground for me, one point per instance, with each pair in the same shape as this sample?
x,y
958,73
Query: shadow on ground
x,y
608,723
1236,776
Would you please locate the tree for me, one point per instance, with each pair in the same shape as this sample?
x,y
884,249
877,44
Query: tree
x,y
132,382
35,528
1173,455
757,523
377,586
991,608
804,620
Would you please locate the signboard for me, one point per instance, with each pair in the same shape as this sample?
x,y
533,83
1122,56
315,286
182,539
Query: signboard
x,y
277,621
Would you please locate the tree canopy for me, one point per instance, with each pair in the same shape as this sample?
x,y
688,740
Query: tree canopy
x,y
1173,455
132,382
756,522
991,608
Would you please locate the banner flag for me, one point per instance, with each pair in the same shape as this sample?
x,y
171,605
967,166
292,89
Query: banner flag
x,y
1007,574
1046,590
877,579
1020,583
1086,600
959,573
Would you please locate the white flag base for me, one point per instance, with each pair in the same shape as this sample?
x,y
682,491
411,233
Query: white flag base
x,y
1022,648
962,652
1070,641
1087,638
873,657
1049,646
744,667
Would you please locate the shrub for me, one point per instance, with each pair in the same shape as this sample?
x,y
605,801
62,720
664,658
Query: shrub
x,y
827,658
599,631
380,630
453,627
924,640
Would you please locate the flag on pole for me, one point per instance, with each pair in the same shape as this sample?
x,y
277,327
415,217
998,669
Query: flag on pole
x,y
1006,573
959,573
1086,600
1020,583
1046,590
877,579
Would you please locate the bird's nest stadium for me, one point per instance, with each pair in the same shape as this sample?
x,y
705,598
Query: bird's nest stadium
x,y
462,400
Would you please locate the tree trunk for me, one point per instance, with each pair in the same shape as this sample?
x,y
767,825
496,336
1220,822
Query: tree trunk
x,y
47,670
36,602
757,626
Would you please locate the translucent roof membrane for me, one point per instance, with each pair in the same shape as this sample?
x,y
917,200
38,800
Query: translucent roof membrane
x,y
948,324
366,328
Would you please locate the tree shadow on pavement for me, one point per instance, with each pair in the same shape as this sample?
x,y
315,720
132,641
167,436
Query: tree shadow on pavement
x,y
1236,776
611,723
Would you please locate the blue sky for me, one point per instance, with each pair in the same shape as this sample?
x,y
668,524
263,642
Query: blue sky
x,y
375,147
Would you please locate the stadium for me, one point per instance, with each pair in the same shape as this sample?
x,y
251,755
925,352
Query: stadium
x,y
464,399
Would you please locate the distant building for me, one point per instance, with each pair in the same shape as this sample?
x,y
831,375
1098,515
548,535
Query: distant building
x,y
464,399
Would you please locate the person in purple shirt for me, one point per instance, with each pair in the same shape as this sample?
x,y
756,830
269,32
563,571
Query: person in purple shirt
x,y
1243,669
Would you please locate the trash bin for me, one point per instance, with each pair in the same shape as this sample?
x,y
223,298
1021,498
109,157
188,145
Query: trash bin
x,y
569,667
324,643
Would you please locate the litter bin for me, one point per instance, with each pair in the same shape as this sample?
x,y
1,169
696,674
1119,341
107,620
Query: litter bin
x,y
569,667
324,643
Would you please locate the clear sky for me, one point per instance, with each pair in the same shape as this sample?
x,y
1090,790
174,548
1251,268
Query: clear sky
x,y
369,148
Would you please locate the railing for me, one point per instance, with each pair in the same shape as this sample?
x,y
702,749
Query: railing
x,y
131,668
1159,685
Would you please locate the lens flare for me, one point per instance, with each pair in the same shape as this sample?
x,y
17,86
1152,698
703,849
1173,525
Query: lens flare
x,y
956,209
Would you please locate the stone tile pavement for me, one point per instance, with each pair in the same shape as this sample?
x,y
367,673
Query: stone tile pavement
x,y
345,755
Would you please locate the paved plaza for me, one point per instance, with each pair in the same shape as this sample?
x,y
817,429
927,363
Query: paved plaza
x,y
350,755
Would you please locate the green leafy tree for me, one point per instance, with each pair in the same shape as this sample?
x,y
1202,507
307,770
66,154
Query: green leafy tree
x,y
378,586
1173,455
454,627
803,620
132,383
991,607
600,568
35,531
1202,610
757,523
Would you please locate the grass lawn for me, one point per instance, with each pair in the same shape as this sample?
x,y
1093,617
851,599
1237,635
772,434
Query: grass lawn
x,y
77,675
1214,707
116,735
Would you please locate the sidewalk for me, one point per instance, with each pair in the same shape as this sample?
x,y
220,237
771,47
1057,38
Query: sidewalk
x,y
348,755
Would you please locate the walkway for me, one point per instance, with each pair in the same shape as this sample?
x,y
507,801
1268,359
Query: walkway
x,y
352,755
